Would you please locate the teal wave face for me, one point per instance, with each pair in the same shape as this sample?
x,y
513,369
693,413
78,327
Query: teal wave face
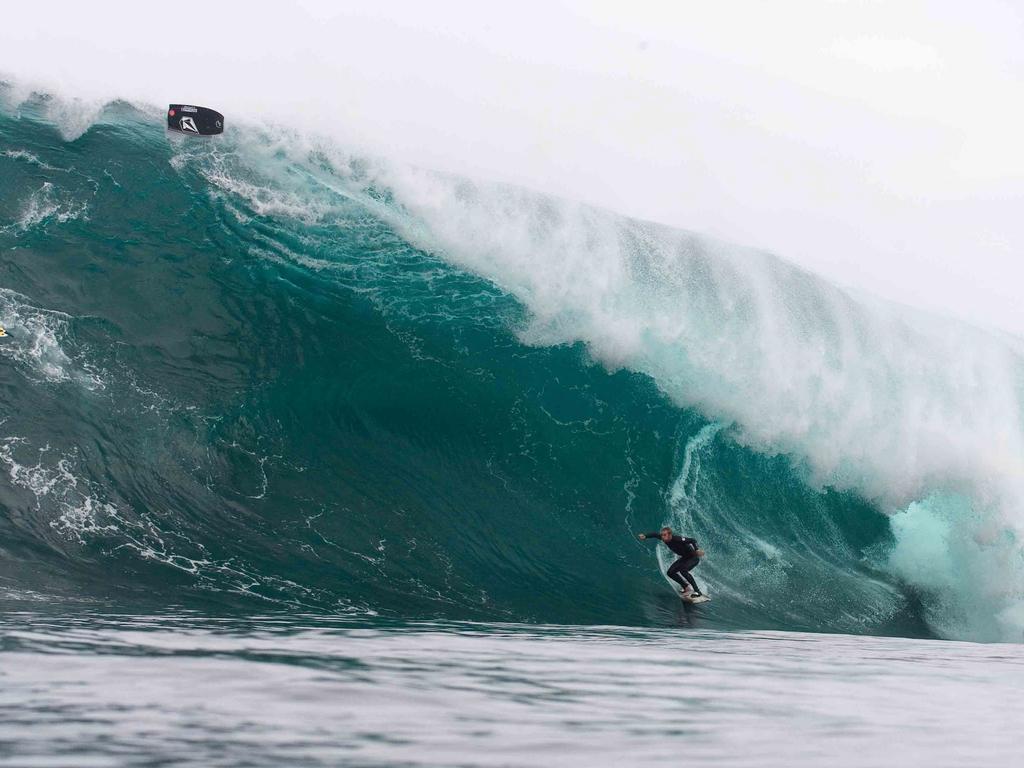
x,y
242,381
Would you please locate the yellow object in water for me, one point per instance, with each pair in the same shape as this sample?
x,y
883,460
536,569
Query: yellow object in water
x,y
2,332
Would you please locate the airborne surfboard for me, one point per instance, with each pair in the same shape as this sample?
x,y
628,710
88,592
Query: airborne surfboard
x,y
200,121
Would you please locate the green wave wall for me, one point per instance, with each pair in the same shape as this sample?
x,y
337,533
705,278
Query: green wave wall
x,y
263,373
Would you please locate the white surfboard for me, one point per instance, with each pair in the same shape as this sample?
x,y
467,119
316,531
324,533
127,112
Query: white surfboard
x,y
695,600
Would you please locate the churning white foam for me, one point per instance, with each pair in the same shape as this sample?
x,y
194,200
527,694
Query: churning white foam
x,y
37,343
25,156
76,508
71,116
45,205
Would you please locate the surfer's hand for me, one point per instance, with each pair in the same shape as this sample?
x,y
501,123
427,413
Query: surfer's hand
x,y
641,536
700,553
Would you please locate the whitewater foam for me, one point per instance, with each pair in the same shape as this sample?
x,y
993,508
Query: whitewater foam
x,y
76,510
27,157
36,343
70,115
46,205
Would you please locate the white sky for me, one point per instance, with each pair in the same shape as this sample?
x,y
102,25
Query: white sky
x,y
878,143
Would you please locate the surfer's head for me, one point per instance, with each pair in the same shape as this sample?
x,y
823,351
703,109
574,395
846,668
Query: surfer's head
x,y
665,534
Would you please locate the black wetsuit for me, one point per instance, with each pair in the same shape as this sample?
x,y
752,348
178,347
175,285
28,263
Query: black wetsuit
x,y
688,559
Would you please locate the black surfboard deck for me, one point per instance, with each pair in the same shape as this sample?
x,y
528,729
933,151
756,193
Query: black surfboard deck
x,y
200,121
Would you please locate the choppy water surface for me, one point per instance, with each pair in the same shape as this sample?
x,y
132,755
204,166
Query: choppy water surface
x,y
169,690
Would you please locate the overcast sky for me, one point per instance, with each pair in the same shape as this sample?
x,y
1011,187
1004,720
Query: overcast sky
x,y
877,143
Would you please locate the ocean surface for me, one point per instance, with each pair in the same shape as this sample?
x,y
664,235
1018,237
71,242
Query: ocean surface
x,y
174,689
312,457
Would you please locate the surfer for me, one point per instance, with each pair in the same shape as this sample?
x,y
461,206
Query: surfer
x,y
689,557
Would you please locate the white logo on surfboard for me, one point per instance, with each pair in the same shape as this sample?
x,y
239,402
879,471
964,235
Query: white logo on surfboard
x,y
188,124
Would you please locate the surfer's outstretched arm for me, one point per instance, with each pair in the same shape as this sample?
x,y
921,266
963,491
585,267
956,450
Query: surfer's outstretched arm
x,y
643,536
